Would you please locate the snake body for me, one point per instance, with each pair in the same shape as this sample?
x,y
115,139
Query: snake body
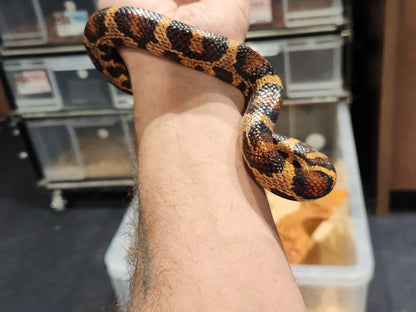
x,y
282,165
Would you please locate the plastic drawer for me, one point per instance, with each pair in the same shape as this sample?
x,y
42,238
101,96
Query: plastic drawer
x,y
308,67
121,99
269,14
82,148
57,83
55,145
325,287
317,121
21,22
36,22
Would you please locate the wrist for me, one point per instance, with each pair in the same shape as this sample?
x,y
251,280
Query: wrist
x,y
162,87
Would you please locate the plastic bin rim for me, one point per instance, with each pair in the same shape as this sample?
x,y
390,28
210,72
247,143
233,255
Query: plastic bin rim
x,y
332,275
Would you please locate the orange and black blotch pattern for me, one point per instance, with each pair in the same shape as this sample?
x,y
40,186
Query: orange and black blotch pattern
x,y
284,166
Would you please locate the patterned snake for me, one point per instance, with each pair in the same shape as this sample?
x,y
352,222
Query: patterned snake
x,y
282,165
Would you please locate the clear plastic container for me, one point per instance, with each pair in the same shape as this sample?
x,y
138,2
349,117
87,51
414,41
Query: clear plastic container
x,y
325,287
57,83
56,148
21,23
275,14
317,12
82,148
121,99
308,67
313,124
39,22
33,85
65,19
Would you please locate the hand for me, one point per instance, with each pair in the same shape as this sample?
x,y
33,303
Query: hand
x,y
229,18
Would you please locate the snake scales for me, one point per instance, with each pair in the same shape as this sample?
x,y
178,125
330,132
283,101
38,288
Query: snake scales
x,y
282,165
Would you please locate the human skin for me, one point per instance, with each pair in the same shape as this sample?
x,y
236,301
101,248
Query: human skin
x,y
207,240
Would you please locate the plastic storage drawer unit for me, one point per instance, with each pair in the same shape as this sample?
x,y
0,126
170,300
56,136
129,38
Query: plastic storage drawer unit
x,y
36,22
308,67
121,99
81,148
267,14
325,287
57,83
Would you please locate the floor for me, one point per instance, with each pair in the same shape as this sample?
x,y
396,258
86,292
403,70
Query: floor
x,y
53,261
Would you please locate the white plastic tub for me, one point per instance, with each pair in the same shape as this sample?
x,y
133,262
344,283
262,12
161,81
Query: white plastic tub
x,y
115,258
326,288
343,288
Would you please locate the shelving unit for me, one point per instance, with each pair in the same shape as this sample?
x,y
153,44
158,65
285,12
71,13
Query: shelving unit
x,y
27,68
53,88
40,78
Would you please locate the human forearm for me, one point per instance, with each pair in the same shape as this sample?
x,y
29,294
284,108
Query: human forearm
x,y
212,241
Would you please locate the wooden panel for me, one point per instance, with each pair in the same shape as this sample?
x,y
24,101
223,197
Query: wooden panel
x,y
404,130
388,90
397,124
4,108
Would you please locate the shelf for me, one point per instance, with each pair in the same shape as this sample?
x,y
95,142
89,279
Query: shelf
x,y
86,184
343,28
41,50
72,113
345,97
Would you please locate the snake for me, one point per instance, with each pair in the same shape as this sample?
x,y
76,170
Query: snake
x,y
282,165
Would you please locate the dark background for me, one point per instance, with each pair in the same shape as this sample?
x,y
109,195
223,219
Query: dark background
x,y
367,47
